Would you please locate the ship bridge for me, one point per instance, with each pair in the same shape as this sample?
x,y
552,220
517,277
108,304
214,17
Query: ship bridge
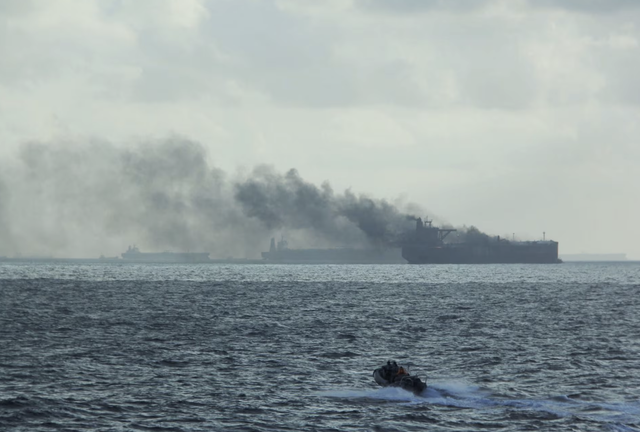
x,y
427,234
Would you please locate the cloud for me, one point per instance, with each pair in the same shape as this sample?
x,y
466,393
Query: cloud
x,y
488,55
586,6
413,6
469,6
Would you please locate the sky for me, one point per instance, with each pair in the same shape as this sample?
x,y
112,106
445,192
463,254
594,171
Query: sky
x,y
517,117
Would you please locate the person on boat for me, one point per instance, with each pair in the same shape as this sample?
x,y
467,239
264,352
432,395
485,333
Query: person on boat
x,y
392,374
390,370
401,373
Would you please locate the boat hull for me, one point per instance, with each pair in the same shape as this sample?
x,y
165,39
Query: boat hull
x,y
406,382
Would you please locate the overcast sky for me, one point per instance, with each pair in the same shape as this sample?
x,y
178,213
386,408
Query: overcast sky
x,y
514,116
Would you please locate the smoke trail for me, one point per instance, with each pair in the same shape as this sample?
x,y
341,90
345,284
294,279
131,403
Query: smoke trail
x,y
5,234
287,201
67,198
470,235
84,199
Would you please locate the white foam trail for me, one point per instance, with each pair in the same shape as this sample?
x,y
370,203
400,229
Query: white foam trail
x,y
622,407
458,394
464,395
388,393
449,393
457,387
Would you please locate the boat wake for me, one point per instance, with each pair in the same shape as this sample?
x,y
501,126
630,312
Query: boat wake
x,y
620,416
386,393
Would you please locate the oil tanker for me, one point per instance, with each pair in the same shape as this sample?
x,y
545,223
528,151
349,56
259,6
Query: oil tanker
x,y
427,246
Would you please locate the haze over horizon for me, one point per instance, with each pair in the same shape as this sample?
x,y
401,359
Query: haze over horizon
x,y
150,122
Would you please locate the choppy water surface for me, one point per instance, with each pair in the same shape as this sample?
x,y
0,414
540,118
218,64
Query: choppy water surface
x,y
265,348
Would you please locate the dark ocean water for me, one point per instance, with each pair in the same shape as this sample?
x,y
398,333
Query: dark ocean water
x,y
115,347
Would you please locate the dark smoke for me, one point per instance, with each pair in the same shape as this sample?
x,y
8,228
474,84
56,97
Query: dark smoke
x,y
287,201
86,199
470,235
92,198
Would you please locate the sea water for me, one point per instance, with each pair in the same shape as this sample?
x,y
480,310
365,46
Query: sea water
x,y
110,347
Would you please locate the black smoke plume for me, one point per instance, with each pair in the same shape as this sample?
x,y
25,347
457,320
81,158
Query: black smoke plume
x,y
91,198
287,201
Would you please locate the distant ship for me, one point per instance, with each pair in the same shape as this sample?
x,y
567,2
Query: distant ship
x,y
133,254
280,253
426,246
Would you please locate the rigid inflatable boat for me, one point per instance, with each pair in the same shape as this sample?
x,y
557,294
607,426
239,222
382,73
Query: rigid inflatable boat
x,y
392,375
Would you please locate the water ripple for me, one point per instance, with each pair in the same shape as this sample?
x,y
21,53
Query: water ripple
x,y
195,348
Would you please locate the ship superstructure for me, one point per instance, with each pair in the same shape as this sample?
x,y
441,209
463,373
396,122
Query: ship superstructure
x,y
427,246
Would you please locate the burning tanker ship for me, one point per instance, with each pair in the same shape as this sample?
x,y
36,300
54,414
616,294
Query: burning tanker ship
x,y
427,246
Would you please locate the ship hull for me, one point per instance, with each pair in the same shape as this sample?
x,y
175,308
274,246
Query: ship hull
x,y
508,253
